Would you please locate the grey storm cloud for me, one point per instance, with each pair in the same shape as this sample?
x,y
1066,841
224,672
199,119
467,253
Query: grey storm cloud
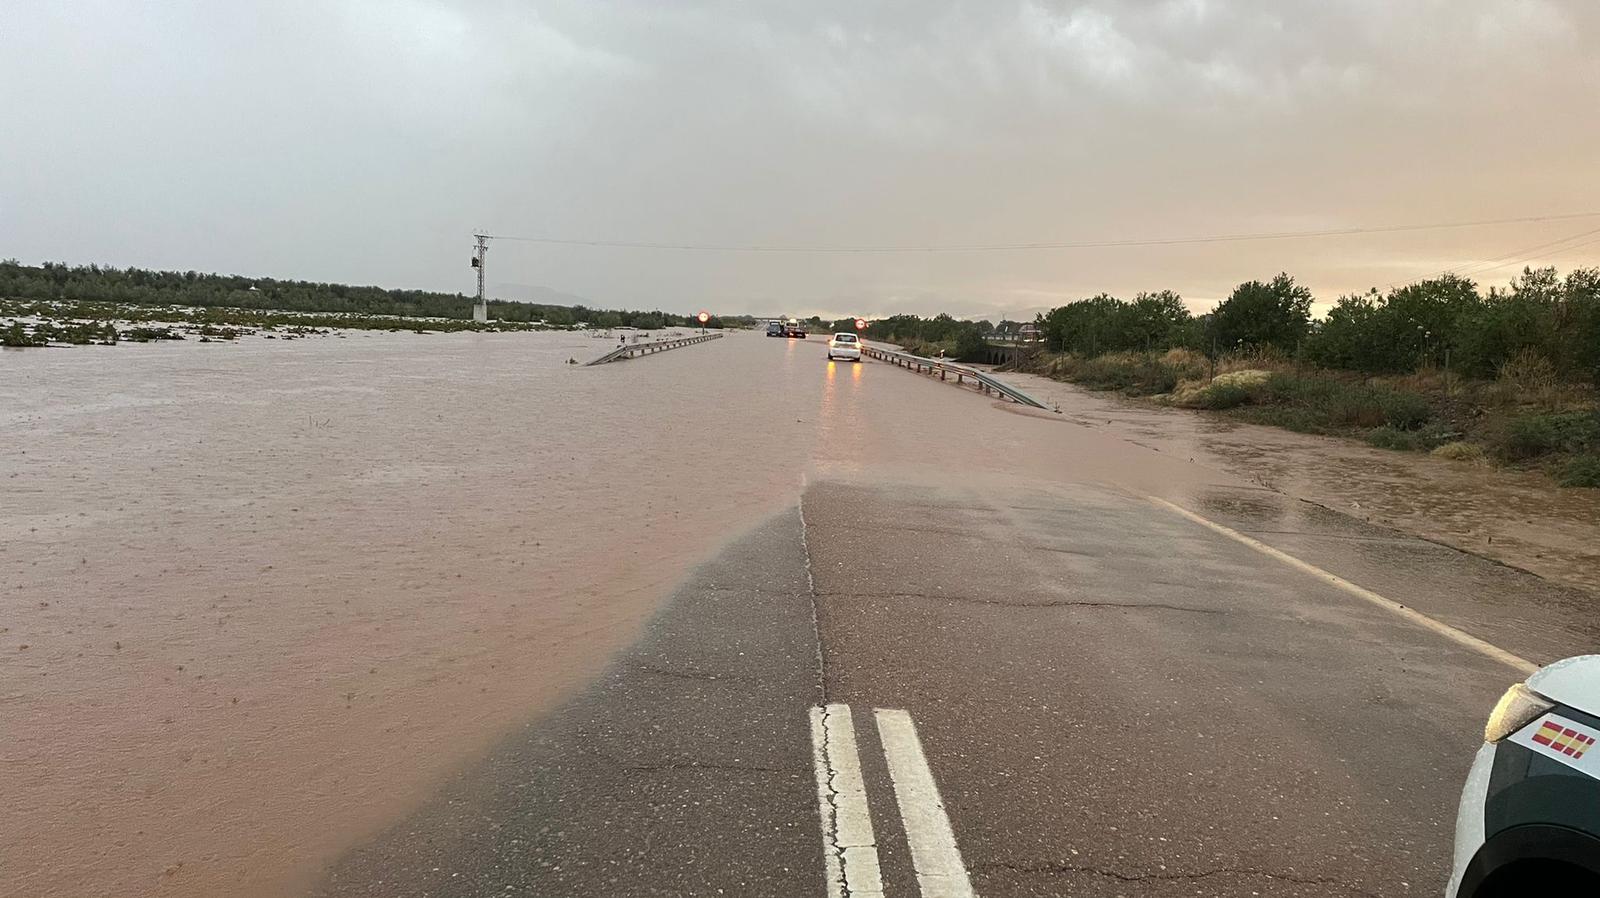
x,y
366,141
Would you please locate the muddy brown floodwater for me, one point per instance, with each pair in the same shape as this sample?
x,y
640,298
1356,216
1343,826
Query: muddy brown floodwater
x,y
258,601
1518,518
257,597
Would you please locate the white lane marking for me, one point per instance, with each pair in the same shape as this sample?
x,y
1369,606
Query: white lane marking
x,y
1487,649
849,850
940,872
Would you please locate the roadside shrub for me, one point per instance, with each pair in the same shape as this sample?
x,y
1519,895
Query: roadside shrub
x,y
1336,403
1127,372
1186,364
1406,411
1300,420
970,345
1230,390
1533,376
1581,471
1459,451
1415,439
1388,437
1131,373
1531,436
1220,396
1342,404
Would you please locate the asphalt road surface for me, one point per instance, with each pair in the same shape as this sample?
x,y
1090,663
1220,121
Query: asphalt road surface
x,y
927,678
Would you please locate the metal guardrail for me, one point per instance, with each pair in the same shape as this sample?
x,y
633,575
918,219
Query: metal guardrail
x,y
944,369
633,350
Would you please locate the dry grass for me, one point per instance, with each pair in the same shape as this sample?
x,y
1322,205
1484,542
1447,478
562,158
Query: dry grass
x,y
1461,451
1534,378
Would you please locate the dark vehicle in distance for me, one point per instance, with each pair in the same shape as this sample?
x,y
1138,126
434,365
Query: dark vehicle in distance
x,y
775,329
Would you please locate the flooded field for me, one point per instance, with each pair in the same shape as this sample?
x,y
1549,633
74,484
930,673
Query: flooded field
x,y
257,597
258,601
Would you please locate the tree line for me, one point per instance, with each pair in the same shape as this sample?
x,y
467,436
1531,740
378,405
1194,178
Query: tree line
x,y
1445,321
137,286
965,337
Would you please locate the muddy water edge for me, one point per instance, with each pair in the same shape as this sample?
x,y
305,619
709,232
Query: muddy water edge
x,y
259,598
1517,518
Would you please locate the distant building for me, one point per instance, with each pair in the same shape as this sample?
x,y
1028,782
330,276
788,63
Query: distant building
x,y
1016,332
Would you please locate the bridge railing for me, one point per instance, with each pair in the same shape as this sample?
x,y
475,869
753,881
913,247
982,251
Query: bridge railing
x,y
945,369
632,350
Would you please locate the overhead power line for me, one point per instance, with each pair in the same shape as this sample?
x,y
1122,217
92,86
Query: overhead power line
x,y
1528,254
1024,247
1475,270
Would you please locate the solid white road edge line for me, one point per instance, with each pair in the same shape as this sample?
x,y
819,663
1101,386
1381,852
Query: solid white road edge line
x,y
1487,649
934,855
848,847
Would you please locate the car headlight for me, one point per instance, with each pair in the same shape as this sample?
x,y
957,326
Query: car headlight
x,y
1515,710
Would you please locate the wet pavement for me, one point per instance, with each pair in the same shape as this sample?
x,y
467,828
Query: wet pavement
x,y
1113,700
1516,517
684,771
618,665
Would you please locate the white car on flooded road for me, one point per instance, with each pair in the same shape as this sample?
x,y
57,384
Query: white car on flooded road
x,y
844,346
1529,822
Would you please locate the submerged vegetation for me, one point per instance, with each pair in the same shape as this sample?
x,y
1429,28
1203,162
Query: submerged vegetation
x,y
61,302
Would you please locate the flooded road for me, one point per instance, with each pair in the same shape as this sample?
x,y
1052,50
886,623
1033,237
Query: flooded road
x,y
263,602
258,596
1519,518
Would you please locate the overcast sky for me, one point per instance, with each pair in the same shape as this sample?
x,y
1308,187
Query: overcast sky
x,y
365,142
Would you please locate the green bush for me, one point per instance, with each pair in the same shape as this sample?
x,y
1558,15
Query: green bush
x,y
1131,373
1416,439
1342,404
1333,402
1582,471
1273,314
970,345
1531,436
1406,411
1288,417
147,334
1389,437
1221,396
16,335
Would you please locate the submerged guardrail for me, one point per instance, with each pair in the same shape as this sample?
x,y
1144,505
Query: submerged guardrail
x,y
985,383
631,350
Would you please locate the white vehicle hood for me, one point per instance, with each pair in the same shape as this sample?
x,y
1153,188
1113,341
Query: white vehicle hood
x,y
1574,682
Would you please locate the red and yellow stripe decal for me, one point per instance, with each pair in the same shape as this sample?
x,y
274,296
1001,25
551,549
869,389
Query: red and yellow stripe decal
x,y
1566,740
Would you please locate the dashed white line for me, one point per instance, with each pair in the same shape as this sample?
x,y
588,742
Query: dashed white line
x,y
848,846
1459,637
934,855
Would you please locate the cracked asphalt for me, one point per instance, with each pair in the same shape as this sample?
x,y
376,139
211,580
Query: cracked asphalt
x,y
1113,699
